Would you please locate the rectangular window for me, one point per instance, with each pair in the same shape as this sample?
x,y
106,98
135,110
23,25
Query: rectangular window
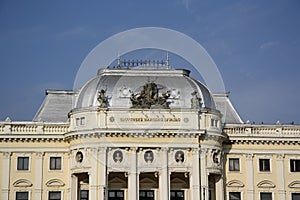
x,y
55,163
23,163
21,195
265,196
295,196
84,195
54,195
295,165
234,164
234,196
264,165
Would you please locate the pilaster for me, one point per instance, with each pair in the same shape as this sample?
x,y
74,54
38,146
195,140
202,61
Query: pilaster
x,y
132,177
195,174
93,175
281,179
204,175
5,175
39,156
164,178
250,177
103,172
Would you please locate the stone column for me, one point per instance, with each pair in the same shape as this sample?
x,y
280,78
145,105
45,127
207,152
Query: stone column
x,y
39,175
73,190
195,174
93,174
5,175
219,188
204,176
164,178
250,177
132,177
103,173
281,180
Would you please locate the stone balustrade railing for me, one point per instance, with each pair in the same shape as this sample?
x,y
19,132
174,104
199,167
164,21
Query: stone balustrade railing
x,y
262,130
33,128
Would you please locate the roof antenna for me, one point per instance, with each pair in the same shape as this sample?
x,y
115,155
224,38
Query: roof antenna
x,y
168,61
119,60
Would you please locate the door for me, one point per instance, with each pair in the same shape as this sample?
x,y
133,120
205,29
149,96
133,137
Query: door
x,y
146,195
177,194
115,195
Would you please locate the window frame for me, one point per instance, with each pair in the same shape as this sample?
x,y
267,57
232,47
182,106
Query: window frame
x,y
50,163
241,194
50,191
269,192
294,159
28,194
293,192
28,164
270,165
239,165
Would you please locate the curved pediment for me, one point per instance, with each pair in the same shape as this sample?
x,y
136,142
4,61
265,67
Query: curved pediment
x,y
22,183
265,184
294,184
55,183
235,183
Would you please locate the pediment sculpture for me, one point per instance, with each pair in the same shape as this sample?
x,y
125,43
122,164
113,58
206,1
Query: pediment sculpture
x,y
149,97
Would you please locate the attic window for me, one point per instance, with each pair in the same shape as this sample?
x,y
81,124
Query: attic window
x,y
214,123
80,121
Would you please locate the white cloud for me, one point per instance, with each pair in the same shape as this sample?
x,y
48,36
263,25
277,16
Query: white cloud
x,y
268,45
72,32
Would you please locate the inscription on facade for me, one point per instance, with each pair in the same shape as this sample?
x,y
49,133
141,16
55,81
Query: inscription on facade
x,y
144,119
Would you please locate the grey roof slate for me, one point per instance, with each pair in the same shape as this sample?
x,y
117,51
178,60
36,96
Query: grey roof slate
x,y
56,106
224,105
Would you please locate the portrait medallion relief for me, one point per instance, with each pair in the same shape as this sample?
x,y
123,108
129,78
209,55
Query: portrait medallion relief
x,y
118,156
149,156
179,157
79,157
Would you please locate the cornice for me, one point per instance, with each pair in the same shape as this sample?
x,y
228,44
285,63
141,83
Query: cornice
x,y
133,133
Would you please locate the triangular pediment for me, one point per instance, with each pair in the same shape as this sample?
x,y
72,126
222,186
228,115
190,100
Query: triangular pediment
x,y
265,184
147,180
55,183
178,183
22,183
235,183
294,184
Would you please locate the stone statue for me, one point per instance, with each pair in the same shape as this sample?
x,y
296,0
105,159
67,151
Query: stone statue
x,y
102,99
149,98
196,102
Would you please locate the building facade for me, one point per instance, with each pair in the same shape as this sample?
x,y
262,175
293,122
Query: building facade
x,y
147,133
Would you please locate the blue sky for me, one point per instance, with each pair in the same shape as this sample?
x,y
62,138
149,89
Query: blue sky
x,y
255,44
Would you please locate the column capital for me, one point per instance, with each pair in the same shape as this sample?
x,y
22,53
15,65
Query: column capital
x,y
280,157
133,149
196,151
102,149
165,149
39,155
249,156
6,154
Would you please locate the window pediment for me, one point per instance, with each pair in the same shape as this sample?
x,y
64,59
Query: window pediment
x,y
22,183
266,184
294,184
235,183
55,183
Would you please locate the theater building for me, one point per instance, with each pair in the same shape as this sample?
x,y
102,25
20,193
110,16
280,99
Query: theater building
x,y
146,132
